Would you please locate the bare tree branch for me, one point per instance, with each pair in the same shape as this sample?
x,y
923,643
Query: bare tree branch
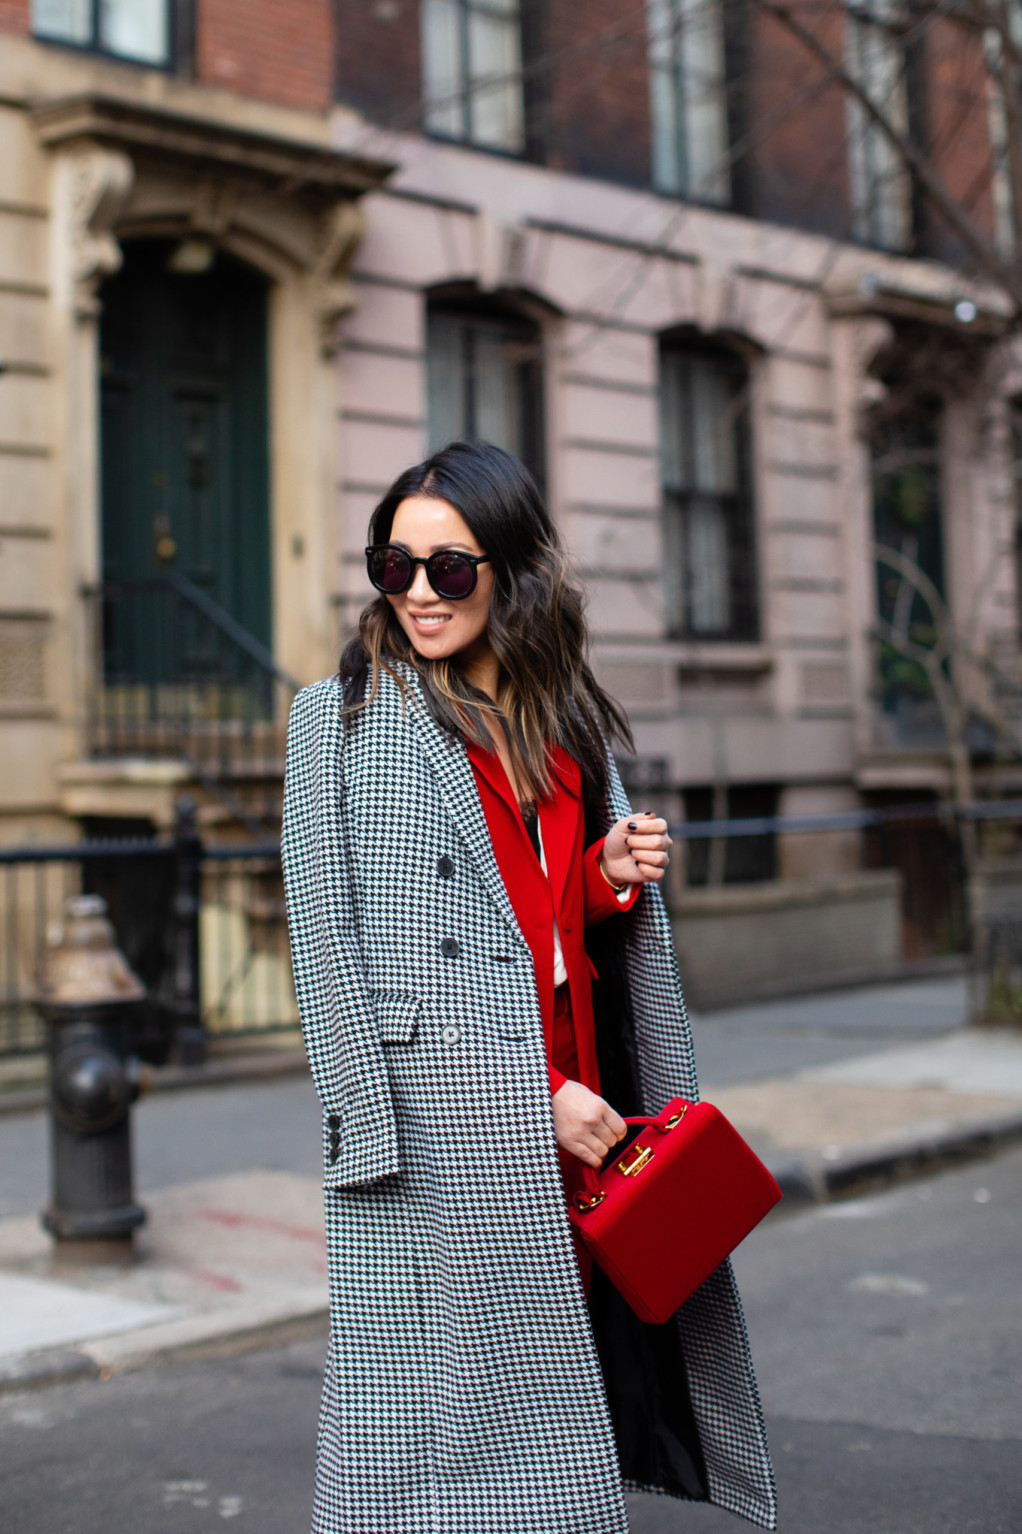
x,y
970,233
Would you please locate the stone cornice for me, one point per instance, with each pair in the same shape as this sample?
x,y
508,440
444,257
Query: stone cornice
x,y
93,119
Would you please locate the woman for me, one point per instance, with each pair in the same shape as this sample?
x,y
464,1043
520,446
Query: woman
x,y
469,1058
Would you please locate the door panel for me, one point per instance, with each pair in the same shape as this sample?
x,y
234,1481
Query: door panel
x,y
185,464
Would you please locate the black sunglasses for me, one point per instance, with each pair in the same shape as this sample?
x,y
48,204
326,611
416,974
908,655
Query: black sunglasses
x,y
451,573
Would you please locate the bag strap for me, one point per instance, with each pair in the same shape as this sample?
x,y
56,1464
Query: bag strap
x,y
666,1120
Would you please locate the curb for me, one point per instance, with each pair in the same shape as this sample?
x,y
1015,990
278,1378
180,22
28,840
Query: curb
x,y
127,1353
766,993
265,1066
816,1181
54,1366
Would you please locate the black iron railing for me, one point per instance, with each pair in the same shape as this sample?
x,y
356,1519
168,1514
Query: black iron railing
x,y
175,676
204,927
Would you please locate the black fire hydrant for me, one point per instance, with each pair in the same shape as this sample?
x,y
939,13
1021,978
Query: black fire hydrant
x,y
89,997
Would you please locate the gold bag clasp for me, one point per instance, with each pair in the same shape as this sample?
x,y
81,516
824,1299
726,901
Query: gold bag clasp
x,y
634,1159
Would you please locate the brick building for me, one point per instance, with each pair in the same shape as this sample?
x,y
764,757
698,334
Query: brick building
x,y
256,259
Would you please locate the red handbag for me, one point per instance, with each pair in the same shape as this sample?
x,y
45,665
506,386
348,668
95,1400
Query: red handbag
x,y
663,1215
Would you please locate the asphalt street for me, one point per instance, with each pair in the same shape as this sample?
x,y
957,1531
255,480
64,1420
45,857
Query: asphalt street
x,y
887,1338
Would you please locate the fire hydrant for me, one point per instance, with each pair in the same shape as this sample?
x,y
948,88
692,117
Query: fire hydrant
x,y
88,997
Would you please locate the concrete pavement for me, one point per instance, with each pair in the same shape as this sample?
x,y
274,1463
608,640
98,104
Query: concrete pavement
x,y
221,1263
884,1086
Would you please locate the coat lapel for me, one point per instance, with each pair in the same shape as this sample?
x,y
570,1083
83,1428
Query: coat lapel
x,y
457,787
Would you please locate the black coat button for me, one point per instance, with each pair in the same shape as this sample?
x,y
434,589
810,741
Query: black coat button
x,y
335,1139
334,1154
445,867
450,948
333,1121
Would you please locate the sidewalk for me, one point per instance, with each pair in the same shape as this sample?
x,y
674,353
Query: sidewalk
x,y
221,1264
238,1260
860,1123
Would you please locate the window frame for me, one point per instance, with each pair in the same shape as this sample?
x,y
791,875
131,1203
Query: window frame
x,y
530,384
915,435
743,860
889,221
720,194
468,88
180,40
1014,407
739,504
1006,216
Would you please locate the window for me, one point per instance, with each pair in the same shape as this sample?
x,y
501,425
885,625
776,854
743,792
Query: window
x,y
709,562
905,464
1004,80
485,380
472,63
128,29
1015,448
731,859
688,99
880,183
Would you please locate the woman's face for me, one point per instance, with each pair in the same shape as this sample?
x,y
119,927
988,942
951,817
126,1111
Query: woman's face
x,y
437,627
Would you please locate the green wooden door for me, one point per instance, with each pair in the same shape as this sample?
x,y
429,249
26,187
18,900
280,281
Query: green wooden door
x,y
185,466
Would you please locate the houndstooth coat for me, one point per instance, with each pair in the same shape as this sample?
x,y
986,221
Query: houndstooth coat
x,y
468,1386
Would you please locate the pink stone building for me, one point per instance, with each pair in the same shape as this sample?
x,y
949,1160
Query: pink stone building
x,y
250,272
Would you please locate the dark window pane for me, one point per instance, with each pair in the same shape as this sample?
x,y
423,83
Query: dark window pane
x,y
709,567
485,380
746,859
905,463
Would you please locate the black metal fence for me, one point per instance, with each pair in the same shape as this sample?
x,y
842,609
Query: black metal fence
x,y
204,926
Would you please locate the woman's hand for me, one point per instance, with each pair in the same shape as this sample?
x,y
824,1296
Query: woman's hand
x,y
635,851
584,1124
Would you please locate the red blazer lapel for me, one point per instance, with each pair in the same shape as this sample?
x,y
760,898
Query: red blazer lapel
x,y
559,821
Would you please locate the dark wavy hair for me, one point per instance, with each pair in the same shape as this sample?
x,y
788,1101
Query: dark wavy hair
x,y
547,691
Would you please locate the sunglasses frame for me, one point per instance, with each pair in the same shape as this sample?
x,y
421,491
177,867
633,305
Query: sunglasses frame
x,y
475,560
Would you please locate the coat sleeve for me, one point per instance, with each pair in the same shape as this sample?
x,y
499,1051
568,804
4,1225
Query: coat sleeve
x,y
600,899
338,1021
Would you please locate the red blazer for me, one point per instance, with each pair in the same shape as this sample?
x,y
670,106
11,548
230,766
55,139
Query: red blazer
x,y
576,891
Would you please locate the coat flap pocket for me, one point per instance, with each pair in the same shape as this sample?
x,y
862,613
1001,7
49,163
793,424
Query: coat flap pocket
x,y
397,1016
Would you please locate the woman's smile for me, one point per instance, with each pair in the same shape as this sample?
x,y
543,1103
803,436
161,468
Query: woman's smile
x,y
429,622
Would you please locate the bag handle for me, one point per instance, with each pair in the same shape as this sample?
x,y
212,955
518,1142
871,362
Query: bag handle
x,y
666,1120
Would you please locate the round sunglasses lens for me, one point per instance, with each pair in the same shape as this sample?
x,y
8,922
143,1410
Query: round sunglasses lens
x,y
389,570
453,575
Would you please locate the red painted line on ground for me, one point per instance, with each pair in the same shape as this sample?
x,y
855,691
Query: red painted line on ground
x,y
235,1221
217,1280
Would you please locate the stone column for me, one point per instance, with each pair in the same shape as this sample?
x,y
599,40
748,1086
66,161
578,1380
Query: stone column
x,y
89,189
